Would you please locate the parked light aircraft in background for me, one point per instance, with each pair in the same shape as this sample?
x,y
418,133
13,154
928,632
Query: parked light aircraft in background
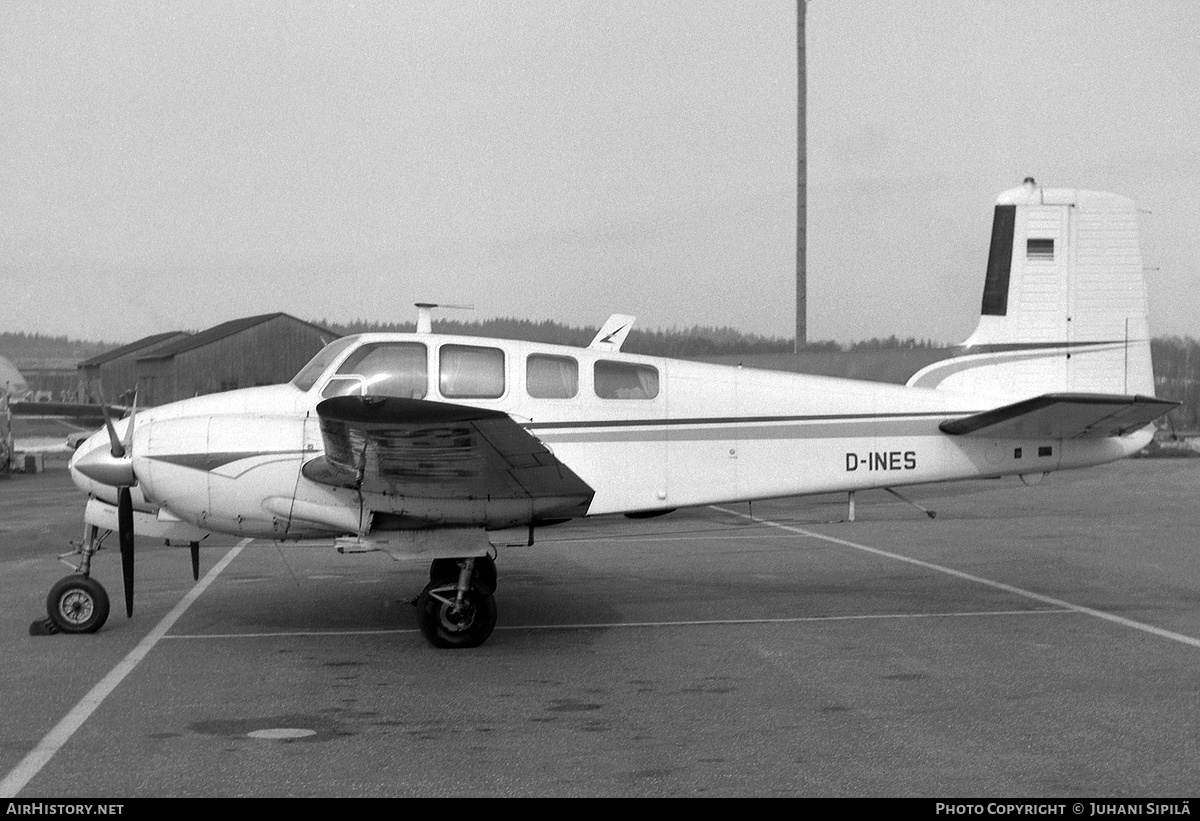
x,y
450,449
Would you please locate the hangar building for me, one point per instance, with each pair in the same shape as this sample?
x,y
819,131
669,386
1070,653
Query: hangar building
x,y
242,353
258,350
116,371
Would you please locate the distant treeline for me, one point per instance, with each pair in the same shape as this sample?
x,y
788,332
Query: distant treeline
x,y
1176,359
1177,377
20,348
696,341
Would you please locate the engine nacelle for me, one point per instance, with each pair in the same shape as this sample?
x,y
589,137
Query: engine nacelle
x,y
217,471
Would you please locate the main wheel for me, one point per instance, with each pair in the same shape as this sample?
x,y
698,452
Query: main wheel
x,y
446,623
77,604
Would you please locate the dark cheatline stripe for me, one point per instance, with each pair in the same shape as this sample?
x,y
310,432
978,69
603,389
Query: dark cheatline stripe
x,y
1033,346
212,461
936,373
856,428
740,420
747,428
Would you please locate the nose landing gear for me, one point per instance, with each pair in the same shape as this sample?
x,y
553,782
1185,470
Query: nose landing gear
x,y
77,603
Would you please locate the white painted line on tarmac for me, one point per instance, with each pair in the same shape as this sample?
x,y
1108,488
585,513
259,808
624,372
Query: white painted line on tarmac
x,y
792,620
639,624
290,634
695,536
1008,588
54,740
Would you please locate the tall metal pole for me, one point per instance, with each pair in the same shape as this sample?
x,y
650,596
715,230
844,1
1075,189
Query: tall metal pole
x,y
801,185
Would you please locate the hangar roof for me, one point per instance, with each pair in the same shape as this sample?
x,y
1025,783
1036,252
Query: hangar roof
x,y
125,350
221,331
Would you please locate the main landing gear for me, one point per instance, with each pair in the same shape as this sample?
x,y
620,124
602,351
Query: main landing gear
x,y
458,606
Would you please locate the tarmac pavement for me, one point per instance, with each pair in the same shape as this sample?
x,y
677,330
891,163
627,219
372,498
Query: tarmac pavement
x,y
1029,641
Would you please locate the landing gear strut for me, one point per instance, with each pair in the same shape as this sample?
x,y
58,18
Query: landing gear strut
x,y
457,608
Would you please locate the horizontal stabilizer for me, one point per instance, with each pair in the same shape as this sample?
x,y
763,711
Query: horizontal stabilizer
x,y
1063,416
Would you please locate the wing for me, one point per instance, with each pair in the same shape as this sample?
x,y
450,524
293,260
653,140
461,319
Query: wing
x,y
74,411
463,456
1063,416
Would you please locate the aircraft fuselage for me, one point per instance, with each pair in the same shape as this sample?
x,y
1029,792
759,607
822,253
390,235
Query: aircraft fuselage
x,y
645,433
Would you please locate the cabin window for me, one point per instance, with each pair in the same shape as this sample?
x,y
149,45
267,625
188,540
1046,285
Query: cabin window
x,y
382,369
310,373
343,386
1039,250
625,380
471,372
551,377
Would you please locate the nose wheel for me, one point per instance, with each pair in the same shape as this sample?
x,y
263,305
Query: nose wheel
x,y
77,604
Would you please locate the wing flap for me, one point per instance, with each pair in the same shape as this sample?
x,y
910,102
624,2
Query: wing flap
x,y
435,450
1063,416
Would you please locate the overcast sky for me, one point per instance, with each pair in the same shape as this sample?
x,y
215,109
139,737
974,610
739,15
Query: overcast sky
x,y
170,165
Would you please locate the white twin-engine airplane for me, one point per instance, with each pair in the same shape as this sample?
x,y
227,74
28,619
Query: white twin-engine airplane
x,y
443,448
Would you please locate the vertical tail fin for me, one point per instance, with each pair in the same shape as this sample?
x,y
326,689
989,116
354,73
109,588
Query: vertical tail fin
x,y
1064,301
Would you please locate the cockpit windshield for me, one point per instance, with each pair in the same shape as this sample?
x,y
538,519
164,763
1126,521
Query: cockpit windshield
x,y
382,369
308,375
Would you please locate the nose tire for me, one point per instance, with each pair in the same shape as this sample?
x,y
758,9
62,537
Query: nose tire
x,y
77,604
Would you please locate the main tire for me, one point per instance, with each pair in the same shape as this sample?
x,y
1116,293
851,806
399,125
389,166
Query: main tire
x,y
447,626
77,604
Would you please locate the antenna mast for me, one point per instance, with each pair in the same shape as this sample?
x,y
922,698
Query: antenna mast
x,y
801,184
425,314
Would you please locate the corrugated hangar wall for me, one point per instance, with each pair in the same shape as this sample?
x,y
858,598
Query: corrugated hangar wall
x,y
116,372
264,350
265,354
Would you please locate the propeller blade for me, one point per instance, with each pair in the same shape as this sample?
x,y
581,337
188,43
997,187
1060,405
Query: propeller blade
x,y
128,443
195,546
125,532
118,449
